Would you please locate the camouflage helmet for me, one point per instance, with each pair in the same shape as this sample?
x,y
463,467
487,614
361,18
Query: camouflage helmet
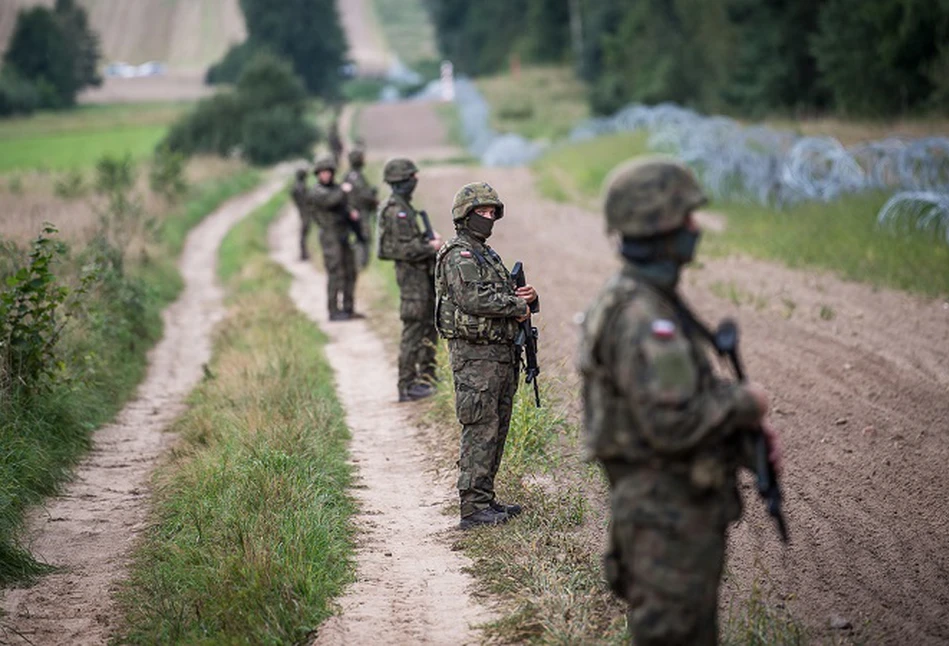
x,y
398,170
357,157
474,195
650,196
324,162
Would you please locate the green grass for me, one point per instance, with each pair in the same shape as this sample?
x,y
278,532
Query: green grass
x,y
250,539
408,31
840,236
43,436
538,102
78,138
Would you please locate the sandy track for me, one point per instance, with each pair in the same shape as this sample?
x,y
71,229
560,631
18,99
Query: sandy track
x,y
367,46
410,587
862,399
89,530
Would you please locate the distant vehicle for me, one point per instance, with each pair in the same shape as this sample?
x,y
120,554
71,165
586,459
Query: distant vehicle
x,y
121,69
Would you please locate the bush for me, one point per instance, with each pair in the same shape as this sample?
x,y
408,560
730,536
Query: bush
x,y
268,102
275,135
17,95
229,69
70,186
167,174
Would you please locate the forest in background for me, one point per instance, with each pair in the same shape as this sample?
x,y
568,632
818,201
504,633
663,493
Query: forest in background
x,y
857,58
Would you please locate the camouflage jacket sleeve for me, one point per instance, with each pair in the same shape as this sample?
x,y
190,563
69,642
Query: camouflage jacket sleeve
x,y
677,401
364,196
478,289
400,237
327,197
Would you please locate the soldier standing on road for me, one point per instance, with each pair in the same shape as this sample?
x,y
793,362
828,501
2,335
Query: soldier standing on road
x,y
334,140
662,424
330,207
402,238
364,198
477,310
298,193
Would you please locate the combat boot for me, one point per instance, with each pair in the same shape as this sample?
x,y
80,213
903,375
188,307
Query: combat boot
x,y
339,316
415,392
510,510
487,516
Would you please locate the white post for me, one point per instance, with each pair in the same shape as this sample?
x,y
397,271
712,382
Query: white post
x,y
448,81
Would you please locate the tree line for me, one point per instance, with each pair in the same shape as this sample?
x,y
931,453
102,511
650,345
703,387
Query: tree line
x,y
745,57
52,55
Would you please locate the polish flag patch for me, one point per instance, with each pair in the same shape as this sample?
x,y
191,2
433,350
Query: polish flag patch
x,y
402,214
466,254
663,329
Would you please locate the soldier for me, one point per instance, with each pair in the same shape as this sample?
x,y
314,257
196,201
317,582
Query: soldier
x,y
662,424
403,238
477,310
333,138
329,204
364,198
298,193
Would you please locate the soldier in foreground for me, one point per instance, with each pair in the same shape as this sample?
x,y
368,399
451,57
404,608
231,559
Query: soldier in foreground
x,y
298,193
329,204
668,432
406,236
478,309
364,198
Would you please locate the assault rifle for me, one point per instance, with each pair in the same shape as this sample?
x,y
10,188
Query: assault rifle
x,y
427,225
342,211
526,339
726,343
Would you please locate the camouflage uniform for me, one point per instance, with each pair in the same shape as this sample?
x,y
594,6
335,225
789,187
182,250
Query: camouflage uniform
x,y
476,310
298,193
364,198
329,205
402,239
334,141
662,424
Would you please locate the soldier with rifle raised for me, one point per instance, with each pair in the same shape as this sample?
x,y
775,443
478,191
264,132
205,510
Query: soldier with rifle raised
x,y
668,431
478,310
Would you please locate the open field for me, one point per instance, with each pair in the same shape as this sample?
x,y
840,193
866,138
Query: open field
x,y
185,34
406,29
78,138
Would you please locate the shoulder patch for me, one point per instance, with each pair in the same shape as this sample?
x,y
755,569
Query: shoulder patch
x,y
465,253
402,214
663,329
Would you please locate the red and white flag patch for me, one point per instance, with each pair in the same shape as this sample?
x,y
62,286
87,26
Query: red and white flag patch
x,y
663,329
466,254
402,214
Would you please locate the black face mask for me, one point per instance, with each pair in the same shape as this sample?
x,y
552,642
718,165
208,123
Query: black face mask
x,y
480,226
406,187
662,257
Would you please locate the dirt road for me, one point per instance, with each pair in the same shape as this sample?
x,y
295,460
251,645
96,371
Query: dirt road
x,y
860,380
88,531
410,587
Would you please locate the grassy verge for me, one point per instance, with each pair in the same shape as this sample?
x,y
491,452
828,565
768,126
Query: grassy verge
x,y
537,102
78,138
841,236
250,538
42,436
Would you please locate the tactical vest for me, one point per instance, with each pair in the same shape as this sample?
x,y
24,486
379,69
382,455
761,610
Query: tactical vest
x,y
382,226
454,323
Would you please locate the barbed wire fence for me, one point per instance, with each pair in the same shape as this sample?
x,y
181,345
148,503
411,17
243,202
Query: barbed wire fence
x,y
770,166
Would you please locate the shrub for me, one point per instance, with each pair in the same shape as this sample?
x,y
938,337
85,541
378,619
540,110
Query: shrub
x,y
70,185
275,135
167,174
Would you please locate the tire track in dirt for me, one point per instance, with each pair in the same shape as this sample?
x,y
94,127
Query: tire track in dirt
x,y
410,585
88,532
862,400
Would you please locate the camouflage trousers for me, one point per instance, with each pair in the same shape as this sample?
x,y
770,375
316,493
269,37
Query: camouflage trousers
x,y
667,550
485,379
417,347
305,223
340,264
